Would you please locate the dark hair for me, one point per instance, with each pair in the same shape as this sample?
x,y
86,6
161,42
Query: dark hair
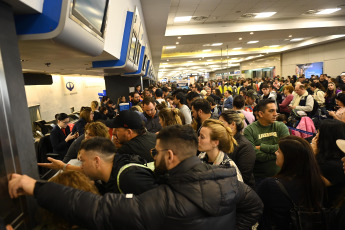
x,y
101,145
148,100
202,104
159,93
181,97
299,163
342,87
238,101
103,109
341,97
110,102
229,92
281,117
104,98
264,86
262,105
61,116
190,96
182,139
329,132
211,100
199,87
165,89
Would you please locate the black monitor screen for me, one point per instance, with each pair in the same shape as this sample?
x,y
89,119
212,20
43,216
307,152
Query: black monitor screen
x,y
91,13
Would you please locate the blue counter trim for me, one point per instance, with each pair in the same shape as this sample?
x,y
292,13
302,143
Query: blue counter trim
x,y
45,22
147,68
124,47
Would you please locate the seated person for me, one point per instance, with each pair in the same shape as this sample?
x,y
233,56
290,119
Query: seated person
x,y
86,116
61,136
302,101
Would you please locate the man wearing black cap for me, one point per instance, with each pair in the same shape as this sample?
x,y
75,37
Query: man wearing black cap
x,y
130,133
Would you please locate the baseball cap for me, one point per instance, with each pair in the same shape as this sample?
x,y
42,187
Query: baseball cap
x,y
126,119
252,94
341,145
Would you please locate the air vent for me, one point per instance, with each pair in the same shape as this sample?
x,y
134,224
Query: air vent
x,y
199,18
311,12
248,15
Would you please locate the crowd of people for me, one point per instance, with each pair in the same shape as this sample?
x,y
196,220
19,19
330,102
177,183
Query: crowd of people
x,y
237,154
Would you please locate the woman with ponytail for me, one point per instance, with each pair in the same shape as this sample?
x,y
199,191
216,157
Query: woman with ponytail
x,y
215,141
169,117
244,154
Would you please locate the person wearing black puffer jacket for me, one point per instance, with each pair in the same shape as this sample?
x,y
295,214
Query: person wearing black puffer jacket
x,y
191,195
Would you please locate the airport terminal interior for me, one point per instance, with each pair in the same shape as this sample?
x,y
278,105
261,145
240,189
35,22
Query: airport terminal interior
x,y
172,114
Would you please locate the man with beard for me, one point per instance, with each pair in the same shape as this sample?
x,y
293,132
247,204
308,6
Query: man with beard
x,y
264,135
201,110
130,135
191,195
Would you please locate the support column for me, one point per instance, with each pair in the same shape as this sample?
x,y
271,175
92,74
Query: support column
x,y
17,153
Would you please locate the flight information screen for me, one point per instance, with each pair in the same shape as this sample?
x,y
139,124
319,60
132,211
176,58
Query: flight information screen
x,y
91,11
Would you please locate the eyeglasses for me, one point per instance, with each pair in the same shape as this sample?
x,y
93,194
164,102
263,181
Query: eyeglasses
x,y
154,152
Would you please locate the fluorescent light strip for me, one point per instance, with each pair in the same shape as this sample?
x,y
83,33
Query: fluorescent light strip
x,y
273,46
217,44
296,39
328,11
183,19
252,42
170,47
265,14
238,48
208,50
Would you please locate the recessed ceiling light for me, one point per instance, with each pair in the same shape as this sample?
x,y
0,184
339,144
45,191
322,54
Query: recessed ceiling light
x,y
237,48
183,19
328,11
168,60
170,47
177,43
208,50
199,59
296,39
290,36
206,45
239,38
273,46
251,33
252,42
265,14
217,44
178,37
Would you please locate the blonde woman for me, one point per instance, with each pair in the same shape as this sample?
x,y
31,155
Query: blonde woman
x,y
95,109
215,141
169,117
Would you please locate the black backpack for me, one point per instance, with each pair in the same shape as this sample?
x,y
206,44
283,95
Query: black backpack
x,y
302,219
315,110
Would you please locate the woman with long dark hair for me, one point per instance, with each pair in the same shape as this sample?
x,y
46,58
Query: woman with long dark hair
x,y
328,156
330,95
86,116
301,177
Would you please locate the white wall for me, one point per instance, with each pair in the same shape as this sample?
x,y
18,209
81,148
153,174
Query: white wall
x,y
56,98
332,55
265,62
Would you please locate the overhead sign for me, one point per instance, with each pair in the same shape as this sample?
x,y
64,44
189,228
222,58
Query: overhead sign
x,y
182,84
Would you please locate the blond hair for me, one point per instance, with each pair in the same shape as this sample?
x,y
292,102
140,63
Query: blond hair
x,y
221,133
94,105
171,117
98,129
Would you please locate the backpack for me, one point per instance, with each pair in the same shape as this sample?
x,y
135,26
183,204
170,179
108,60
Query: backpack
x,y
302,219
315,110
149,166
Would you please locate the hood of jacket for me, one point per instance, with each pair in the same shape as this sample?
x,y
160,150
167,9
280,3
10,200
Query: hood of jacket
x,y
213,189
